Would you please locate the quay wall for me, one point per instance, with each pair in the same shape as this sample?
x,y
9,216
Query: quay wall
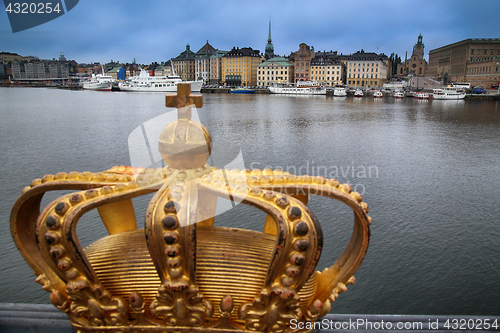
x,y
44,318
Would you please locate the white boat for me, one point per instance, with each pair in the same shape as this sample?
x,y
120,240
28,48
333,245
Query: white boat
x,y
358,93
377,94
99,82
145,82
449,93
301,88
421,95
399,94
339,91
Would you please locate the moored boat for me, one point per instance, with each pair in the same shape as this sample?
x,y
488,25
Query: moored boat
x,y
339,92
421,95
448,93
301,88
99,82
377,94
358,93
242,91
399,94
146,83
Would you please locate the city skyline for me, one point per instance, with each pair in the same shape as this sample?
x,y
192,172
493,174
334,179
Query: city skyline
x,y
155,31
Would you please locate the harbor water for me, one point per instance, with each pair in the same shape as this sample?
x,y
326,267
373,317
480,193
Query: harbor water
x,y
429,171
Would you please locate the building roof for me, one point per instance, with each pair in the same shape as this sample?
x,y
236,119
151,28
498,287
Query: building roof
x,y
324,60
243,52
278,61
206,49
362,55
468,41
219,54
186,55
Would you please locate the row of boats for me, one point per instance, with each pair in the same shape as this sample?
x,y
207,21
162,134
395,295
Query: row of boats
x,y
142,82
146,83
312,88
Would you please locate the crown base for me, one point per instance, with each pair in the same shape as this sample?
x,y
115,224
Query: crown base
x,y
143,328
229,261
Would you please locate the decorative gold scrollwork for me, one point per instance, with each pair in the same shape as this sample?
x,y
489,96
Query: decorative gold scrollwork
x,y
271,311
183,306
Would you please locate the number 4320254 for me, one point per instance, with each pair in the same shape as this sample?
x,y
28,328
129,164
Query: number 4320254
x,y
32,8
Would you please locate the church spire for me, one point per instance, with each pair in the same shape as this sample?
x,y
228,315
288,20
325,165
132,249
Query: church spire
x,y
269,41
269,53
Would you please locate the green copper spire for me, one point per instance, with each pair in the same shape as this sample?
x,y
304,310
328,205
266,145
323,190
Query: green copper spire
x,y
269,53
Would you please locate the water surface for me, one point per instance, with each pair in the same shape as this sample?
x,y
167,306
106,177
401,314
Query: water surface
x,y
428,169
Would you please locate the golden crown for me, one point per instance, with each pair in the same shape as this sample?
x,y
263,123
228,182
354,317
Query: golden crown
x,y
181,273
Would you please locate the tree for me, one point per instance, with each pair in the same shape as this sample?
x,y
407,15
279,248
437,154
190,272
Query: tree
x,y
395,61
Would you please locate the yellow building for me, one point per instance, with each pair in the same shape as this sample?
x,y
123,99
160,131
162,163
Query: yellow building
x,y
276,70
327,72
366,69
239,67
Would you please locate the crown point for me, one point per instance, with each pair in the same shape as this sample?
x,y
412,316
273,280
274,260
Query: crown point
x,y
52,222
294,213
47,178
170,222
301,245
301,229
297,259
282,202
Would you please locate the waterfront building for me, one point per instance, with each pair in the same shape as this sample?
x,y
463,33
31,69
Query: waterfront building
x,y
159,70
269,50
184,65
471,60
483,72
202,62
216,67
327,71
239,66
277,70
368,70
302,59
40,70
416,65
164,69
5,71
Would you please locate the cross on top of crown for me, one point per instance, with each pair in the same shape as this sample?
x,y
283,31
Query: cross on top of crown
x,y
183,101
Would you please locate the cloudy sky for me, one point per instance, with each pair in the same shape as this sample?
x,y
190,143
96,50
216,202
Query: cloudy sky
x,y
157,30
